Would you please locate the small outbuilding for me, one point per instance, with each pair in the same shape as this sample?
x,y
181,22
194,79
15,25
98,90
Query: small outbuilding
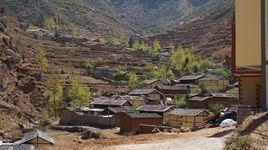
x,y
130,123
186,118
36,138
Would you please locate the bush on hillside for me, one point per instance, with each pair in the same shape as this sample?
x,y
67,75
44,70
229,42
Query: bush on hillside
x,y
237,142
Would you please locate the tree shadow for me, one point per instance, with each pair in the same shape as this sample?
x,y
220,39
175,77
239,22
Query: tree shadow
x,y
254,125
221,134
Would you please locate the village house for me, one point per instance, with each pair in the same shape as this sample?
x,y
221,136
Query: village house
x,y
105,102
134,100
202,102
186,118
36,138
130,123
152,83
190,79
115,111
173,91
159,109
150,93
70,116
214,83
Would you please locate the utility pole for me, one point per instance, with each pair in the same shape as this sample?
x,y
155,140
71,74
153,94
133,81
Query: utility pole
x,y
264,62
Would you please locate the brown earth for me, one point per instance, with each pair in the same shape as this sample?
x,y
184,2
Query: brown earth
x,y
66,140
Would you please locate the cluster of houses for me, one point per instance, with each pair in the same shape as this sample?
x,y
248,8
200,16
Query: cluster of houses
x,y
150,107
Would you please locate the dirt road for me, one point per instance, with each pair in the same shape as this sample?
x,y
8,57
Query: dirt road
x,y
199,142
203,143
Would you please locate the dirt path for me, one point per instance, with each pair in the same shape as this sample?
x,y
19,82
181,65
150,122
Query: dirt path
x,y
198,142
203,143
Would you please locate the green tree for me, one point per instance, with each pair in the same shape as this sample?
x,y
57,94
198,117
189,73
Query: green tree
x,y
216,108
165,73
143,46
155,48
180,102
151,71
206,64
195,66
42,60
136,45
222,72
51,23
133,80
44,121
89,66
74,33
54,93
79,95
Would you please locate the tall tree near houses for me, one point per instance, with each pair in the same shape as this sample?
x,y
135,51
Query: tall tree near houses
x,y
42,60
78,94
133,80
54,93
155,48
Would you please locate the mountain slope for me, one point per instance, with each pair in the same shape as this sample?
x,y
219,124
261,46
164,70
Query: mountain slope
x,y
90,18
210,32
152,16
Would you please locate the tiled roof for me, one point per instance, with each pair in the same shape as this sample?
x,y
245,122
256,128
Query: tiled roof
x,y
142,115
222,95
154,108
186,112
142,91
129,97
198,98
213,78
31,135
174,87
192,77
150,81
122,109
108,102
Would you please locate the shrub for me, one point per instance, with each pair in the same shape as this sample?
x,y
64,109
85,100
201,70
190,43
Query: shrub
x,y
236,142
44,121
89,66
216,108
180,102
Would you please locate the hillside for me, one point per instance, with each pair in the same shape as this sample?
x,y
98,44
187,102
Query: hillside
x,y
91,19
152,16
108,18
21,84
210,32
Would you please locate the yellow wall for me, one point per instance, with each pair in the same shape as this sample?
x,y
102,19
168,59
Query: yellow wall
x,y
190,122
155,95
213,85
248,32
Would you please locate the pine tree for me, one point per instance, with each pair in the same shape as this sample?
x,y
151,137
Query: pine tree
x,y
54,93
42,60
79,95
133,80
